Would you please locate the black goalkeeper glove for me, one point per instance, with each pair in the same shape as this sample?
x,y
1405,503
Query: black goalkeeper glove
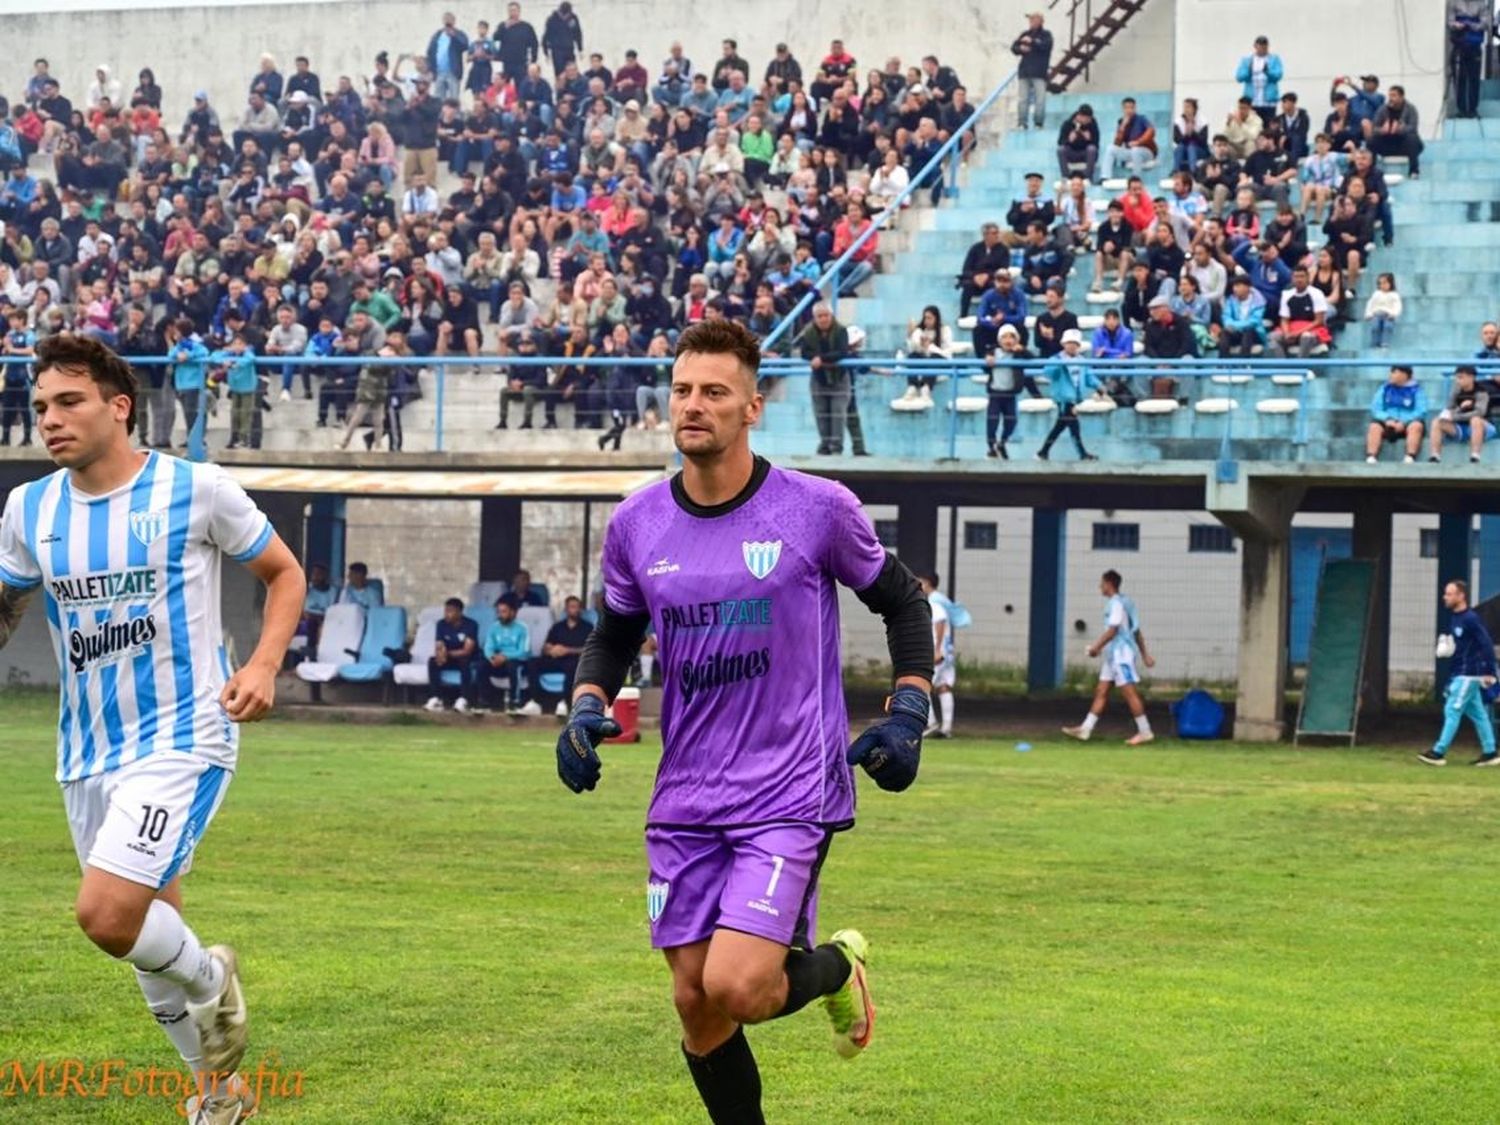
x,y
577,763
891,750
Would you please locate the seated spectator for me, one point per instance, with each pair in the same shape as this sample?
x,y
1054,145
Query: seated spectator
x,y
1288,234
1069,382
1193,308
459,328
522,592
1053,322
1382,310
1396,415
1268,273
1044,264
1112,340
1267,172
1218,173
560,653
1243,318
517,317
1394,132
1348,233
1134,142
1319,176
1168,335
1327,277
1208,272
357,589
1189,137
1137,205
1075,216
930,339
1113,241
507,654
457,650
862,264
1304,318
320,595
984,259
1078,143
1242,128
1465,416
1290,126
1034,206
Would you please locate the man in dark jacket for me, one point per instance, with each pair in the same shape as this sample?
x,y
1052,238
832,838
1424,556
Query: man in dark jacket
x,y
445,57
824,344
562,37
983,260
1034,48
518,46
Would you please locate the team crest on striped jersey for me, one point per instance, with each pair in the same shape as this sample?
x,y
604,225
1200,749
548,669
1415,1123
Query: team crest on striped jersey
x,y
147,526
761,558
656,899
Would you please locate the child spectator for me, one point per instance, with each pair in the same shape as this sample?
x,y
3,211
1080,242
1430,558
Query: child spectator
x,y
1382,310
1244,318
1070,383
244,385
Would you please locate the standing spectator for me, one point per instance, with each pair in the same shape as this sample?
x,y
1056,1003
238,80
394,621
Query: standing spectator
x,y
289,338
507,653
189,357
1078,143
1465,416
1034,48
1069,383
1054,322
825,345
1259,75
1304,318
517,44
562,37
1134,142
304,81
456,650
1396,415
1382,310
930,339
244,387
1005,378
1469,24
783,69
1243,318
445,58
370,396
15,379
1189,137
1393,131
419,134
564,645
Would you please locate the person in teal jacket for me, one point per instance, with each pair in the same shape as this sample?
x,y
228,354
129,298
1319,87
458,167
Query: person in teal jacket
x,y
244,385
507,650
1069,383
189,356
1259,76
1396,414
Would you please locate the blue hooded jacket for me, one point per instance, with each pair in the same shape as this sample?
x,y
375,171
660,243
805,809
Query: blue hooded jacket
x,y
1405,403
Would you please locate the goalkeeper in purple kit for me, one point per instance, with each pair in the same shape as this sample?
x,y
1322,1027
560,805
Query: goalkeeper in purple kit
x,y
735,563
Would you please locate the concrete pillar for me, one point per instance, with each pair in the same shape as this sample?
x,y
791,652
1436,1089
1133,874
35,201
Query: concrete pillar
x,y
242,597
1454,561
1372,540
1264,600
1049,579
324,539
499,538
1489,559
917,533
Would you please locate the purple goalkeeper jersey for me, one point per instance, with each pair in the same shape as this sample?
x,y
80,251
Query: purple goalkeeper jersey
x,y
747,622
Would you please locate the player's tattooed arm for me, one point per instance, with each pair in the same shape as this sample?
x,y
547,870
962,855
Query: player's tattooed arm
x,y
12,605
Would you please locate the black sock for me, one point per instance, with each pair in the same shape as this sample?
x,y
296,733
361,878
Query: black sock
x,y
811,974
728,1081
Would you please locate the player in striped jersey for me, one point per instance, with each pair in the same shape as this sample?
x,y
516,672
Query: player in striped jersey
x,y
1120,645
125,546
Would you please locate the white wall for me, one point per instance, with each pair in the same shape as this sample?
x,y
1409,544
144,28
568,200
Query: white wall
x,y
214,46
1401,41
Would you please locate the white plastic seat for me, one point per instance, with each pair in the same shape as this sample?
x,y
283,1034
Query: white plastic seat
x,y
1215,405
338,644
1036,406
413,673
1278,406
1096,406
1115,183
1156,406
962,347
538,621
911,405
969,404
1230,380
1291,379
1103,297
968,323
1140,347
483,595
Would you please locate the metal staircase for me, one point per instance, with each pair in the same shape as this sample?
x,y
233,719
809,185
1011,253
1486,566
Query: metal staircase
x,y
1088,35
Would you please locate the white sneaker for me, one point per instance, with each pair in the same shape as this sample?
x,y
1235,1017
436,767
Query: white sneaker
x,y
910,394
434,703
284,396
222,1024
1080,732
926,394
1408,460
1370,460
461,705
531,708
562,709
234,1105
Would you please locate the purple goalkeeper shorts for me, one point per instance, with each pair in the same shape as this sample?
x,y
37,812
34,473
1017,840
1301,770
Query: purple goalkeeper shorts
x,y
759,880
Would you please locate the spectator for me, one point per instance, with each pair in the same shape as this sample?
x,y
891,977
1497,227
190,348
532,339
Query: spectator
x,y
1035,206
1189,137
524,383
456,650
1469,29
1034,48
516,43
1242,128
1078,143
783,69
1243,318
1167,335
1319,176
1363,101
370,395
1327,277
1069,383
522,592
562,37
1365,184
1113,241
1075,216
929,339
861,265
1189,305
419,129
1259,75
1348,233
358,589
507,654
1054,322
1002,304
189,368
1290,127
1208,272
1396,415
1303,320
15,380
320,595
289,338
729,63
244,387
303,81
445,58
1268,273
1465,418
1393,131
1005,378
458,326
1134,142
825,345
1382,310
1044,264
560,653
1267,173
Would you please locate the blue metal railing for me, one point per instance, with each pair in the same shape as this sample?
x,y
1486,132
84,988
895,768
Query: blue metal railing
x,y
933,168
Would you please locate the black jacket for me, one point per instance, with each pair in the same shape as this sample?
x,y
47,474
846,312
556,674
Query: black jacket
x,y
1036,60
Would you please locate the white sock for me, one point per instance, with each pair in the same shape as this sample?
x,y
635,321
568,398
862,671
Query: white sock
x,y
647,664
1090,721
168,1003
945,705
167,948
1143,724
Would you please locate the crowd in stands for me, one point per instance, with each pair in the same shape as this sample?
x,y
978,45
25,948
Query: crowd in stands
x,y
582,206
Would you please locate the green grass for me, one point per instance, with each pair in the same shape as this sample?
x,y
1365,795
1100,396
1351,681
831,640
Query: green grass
x,y
434,930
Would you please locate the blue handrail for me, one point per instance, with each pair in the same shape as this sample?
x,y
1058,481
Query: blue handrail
x,y
919,181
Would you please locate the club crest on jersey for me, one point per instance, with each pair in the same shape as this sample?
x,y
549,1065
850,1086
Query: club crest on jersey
x,y
148,526
656,899
761,558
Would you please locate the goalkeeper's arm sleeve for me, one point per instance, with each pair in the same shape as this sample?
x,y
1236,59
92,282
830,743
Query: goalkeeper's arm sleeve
x,y
610,649
898,599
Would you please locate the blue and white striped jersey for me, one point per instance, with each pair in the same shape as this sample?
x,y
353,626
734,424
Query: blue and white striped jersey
x,y
130,581
1121,613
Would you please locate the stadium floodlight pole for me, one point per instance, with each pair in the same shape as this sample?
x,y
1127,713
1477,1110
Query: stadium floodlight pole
x,y
917,183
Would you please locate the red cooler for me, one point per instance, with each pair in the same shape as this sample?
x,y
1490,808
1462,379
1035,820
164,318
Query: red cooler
x,y
627,712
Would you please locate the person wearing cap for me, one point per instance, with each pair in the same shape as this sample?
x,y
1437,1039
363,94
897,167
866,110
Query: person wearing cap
x,y
1259,75
783,69
1167,335
1005,378
1034,48
1242,128
1134,142
1033,206
1364,100
1069,382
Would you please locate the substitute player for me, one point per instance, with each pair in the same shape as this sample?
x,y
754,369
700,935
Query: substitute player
x,y
735,561
1122,645
1471,679
944,661
125,547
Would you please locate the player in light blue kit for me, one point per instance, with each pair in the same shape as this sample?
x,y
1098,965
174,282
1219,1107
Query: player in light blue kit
x,y
738,563
1472,679
1122,647
125,548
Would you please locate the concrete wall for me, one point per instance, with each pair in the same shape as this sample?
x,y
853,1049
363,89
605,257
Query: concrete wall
x,y
1401,41
214,46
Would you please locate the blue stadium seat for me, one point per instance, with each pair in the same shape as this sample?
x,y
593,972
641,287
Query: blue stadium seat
x,y
385,628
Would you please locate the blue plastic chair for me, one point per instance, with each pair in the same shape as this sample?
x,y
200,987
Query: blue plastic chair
x,y
385,628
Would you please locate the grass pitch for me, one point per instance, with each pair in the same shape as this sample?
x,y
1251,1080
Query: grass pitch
x,y
433,930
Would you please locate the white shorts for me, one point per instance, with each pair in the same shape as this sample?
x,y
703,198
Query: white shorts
x,y
142,821
1119,669
945,675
